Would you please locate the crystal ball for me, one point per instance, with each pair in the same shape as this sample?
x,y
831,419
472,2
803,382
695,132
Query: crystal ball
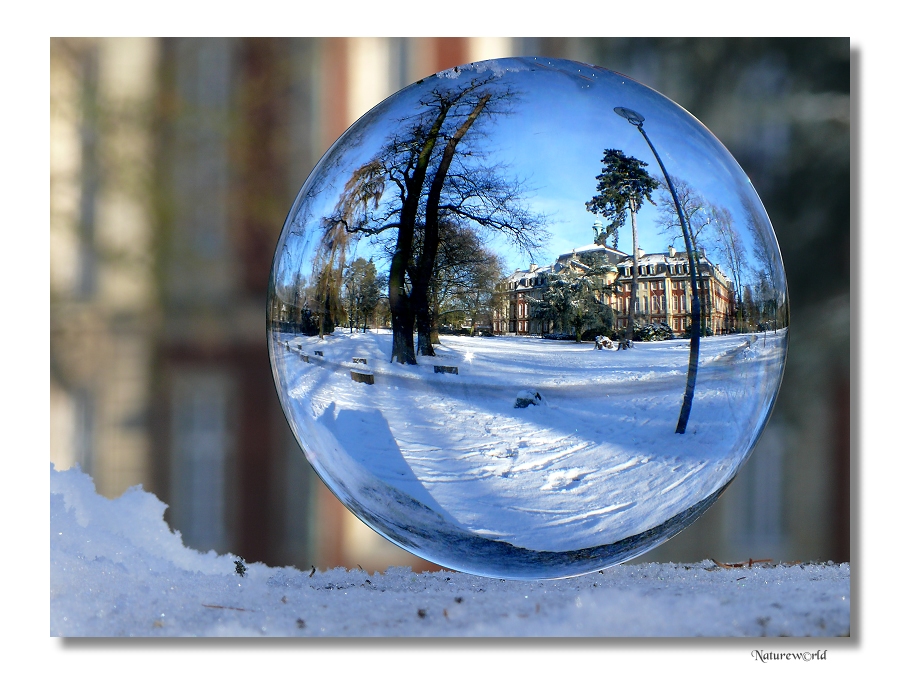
x,y
527,318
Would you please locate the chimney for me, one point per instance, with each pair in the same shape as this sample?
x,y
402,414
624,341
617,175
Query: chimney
x,y
532,267
640,252
671,251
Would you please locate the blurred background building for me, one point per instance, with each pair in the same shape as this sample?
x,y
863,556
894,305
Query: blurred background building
x,y
173,164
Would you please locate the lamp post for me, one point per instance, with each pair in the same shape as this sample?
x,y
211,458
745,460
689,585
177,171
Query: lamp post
x,y
637,120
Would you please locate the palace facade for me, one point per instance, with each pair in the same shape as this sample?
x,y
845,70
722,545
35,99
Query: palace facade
x,y
664,284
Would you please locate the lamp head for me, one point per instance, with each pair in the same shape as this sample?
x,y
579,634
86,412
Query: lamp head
x,y
631,115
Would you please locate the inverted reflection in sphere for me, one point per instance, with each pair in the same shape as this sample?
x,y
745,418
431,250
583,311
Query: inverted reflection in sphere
x,y
457,342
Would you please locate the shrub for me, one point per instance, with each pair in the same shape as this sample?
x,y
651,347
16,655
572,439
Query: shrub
x,y
653,332
705,331
603,331
558,336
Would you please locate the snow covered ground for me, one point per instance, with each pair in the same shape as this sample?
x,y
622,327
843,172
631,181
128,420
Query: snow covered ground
x,y
117,570
447,466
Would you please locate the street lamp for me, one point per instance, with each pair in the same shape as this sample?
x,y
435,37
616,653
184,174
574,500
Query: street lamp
x,y
636,119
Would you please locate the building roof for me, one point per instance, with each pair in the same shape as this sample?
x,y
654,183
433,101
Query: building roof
x,y
624,260
563,259
676,257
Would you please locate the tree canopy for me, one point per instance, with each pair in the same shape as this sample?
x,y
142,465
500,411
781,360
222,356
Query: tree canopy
x,y
429,175
622,186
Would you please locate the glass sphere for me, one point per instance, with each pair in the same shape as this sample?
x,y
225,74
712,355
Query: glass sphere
x,y
457,342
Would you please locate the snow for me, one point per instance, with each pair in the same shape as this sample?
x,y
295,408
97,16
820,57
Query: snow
x,y
117,570
596,463
496,67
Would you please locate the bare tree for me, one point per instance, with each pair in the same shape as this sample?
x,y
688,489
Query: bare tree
x,y
770,287
730,246
466,275
361,193
429,172
697,218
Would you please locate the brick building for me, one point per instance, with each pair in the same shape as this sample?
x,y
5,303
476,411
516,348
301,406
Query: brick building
x,y
664,284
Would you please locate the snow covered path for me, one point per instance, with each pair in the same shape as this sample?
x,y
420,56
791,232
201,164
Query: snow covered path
x,y
597,462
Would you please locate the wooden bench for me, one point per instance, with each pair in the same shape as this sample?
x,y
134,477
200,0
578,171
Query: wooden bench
x,y
365,378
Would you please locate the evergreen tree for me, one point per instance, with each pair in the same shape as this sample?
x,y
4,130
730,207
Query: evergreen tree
x,y
622,187
362,290
574,299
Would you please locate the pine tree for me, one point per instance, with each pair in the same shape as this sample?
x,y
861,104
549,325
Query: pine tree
x,y
622,187
573,299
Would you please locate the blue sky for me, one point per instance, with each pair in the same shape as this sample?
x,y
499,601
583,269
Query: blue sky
x,y
558,136
554,138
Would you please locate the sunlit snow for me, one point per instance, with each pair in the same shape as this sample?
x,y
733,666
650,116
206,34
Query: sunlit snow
x,y
117,570
595,462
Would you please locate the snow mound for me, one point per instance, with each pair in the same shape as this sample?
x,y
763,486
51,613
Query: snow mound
x,y
527,397
122,530
116,569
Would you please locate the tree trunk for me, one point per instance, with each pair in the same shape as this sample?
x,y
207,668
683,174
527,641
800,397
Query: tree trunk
x,y
425,330
402,318
402,310
435,316
422,283
632,310
705,298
